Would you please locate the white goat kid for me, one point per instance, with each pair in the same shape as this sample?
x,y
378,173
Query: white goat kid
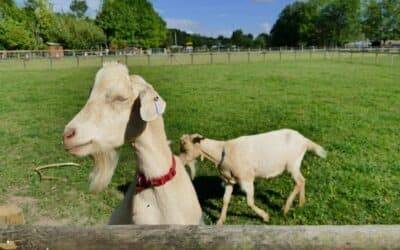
x,y
122,107
243,159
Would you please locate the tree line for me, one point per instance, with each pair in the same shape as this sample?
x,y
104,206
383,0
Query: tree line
x,y
336,22
123,23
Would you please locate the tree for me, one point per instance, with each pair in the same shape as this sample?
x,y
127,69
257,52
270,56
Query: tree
x,y
41,21
78,7
372,21
338,22
391,19
262,40
13,35
132,22
79,33
7,2
240,39
295,25
13,27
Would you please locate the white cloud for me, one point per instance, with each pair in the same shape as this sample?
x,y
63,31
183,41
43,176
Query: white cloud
x,y
265,27
187,25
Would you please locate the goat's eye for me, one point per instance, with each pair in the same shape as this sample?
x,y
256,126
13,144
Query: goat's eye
x,y
120,99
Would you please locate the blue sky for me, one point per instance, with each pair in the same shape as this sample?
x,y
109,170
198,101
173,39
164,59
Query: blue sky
x,y
208,17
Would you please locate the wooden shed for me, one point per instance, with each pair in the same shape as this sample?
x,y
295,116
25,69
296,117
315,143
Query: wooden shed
x,y
55,50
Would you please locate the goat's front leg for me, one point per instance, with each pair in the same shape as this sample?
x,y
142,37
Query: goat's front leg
x,y
248,187
227,198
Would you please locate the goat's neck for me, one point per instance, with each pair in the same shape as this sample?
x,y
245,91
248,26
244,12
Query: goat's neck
x,y
154,157
212,149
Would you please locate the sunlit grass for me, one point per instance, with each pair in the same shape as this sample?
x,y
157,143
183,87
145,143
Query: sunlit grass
x,y
352,109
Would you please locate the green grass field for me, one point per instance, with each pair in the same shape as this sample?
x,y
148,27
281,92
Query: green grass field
x,y
352,109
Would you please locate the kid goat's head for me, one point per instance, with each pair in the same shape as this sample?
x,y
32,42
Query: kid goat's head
x,y
117,109
190,146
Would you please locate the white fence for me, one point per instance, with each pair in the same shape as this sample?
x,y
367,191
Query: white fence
x,y
42,60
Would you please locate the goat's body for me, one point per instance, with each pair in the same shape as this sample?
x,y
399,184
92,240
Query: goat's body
x,y
264,155
175,202
172,203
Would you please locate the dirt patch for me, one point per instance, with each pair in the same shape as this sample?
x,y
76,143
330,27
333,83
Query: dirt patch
x,y
31,213
21,200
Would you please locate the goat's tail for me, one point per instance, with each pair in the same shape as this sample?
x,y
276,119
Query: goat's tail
x,y
317,149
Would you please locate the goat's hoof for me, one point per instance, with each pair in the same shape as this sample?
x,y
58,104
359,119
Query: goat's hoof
x,y
285,210
266,218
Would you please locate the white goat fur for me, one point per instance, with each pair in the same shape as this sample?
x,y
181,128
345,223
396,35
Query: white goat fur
x,y
122,107
264,155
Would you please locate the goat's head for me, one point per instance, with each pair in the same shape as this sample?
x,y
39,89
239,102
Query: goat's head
x,y
118,107
190,146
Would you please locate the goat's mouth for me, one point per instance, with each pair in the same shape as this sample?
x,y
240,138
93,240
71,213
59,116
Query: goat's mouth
x,y
76,148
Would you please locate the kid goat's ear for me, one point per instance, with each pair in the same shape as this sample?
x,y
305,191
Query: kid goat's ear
x,y
196,138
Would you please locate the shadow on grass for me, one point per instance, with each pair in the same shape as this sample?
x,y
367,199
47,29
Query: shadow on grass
x,y
211,188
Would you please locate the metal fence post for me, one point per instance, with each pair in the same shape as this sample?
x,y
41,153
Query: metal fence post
x,y
126,59
77,61
280,54
191,58
170,58
51,62
229,57
376,57
295,54
351,56
102,60
24,61
264,53
211,58
248,56
148,59
392,59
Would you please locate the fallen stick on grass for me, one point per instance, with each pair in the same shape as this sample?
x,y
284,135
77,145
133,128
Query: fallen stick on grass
x,y
54,165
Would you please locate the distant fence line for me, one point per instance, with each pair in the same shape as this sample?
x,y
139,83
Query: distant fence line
x,y
34,54
41,59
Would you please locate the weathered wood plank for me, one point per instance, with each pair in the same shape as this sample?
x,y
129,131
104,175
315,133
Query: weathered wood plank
x,y
204,237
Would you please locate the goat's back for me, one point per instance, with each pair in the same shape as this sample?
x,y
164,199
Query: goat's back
x,y
267,153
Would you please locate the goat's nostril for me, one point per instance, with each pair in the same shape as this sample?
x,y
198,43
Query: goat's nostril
x,y
69,133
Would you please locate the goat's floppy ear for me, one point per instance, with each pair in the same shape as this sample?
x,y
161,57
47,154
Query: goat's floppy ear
x,y
151,104
196,138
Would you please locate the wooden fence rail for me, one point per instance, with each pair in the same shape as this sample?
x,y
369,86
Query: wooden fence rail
x,y
203,237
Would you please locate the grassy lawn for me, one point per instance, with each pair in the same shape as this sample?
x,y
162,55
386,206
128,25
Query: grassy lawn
x,y
352,109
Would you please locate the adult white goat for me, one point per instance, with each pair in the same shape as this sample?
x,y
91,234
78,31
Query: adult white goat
x,y
243,159
122,107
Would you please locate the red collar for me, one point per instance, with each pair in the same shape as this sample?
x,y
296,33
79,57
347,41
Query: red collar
x,y
143,183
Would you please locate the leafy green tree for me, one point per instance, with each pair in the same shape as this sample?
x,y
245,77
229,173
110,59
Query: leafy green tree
x,y
240,39
41,21
13,28
391,19
338,22
295,25
13,35
372,21
262,40
132,22
79,33
78,7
